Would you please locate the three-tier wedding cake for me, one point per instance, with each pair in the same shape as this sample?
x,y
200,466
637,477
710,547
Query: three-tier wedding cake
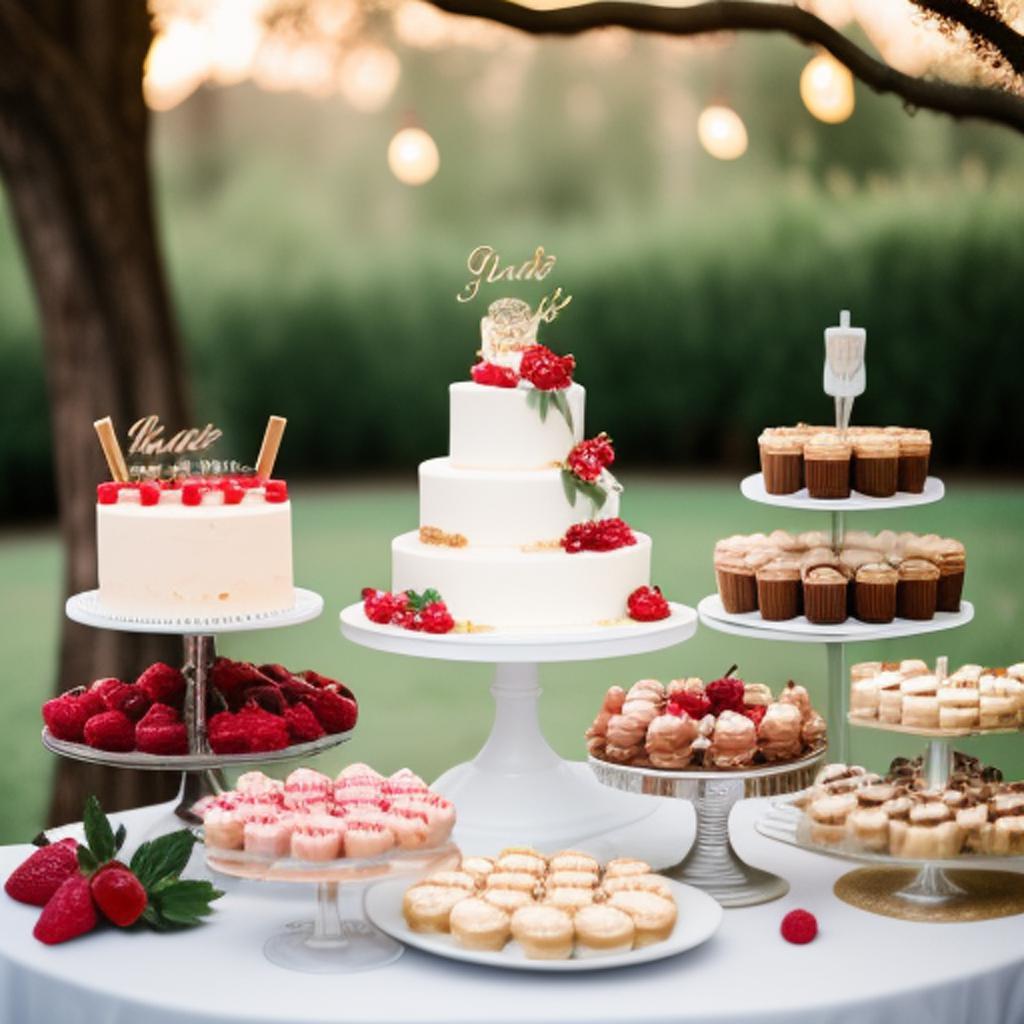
x,y
519,523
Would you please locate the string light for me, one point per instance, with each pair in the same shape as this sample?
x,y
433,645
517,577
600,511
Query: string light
x,y
413,156
368,76
722,132
826,87
176,64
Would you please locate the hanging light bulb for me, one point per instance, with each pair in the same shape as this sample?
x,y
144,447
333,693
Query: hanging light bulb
x,y
176,64
368,76
722,132
826,87
413,156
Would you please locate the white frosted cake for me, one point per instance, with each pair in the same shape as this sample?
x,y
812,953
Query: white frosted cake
x,y
503,515
212,546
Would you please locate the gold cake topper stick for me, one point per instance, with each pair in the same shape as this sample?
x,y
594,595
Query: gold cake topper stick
x,y
268,450
111,449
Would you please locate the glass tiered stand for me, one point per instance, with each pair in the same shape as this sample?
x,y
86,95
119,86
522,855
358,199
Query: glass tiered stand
x,y
517,789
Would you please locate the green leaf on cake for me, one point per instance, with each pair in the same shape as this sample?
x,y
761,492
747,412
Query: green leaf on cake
x,y
569,480
574,486
417,602
562,405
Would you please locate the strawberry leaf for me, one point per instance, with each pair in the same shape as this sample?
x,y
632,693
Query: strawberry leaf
x,y
180,904
86,861
167,855
119,837
98,833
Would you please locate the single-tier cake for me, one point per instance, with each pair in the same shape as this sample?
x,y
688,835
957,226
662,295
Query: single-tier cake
x,y
198,547
519,522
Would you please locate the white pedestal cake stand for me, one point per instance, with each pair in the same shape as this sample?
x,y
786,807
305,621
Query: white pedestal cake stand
x,y
517,789
836,637
198,635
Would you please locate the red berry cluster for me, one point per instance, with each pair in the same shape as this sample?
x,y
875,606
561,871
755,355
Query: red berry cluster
x,y
598,535
646,604
421,613
544,369
726,694
589,457
253,710
232,486
696,705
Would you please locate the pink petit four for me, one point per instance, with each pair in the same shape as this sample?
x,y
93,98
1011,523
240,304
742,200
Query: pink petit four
x,y
315,843
222,829
270,837
256,784
308,790
367,839
410,826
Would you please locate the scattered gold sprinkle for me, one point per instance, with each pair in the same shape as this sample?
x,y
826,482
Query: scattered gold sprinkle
x,y
542,545
471,627
432,535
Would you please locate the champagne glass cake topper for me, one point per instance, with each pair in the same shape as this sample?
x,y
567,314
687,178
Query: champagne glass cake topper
x,y
845,376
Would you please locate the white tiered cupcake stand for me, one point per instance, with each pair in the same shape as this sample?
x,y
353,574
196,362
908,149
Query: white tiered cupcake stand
x,y
836,637
517,789
198,634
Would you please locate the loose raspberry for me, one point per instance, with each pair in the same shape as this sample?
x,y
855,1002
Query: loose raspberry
x,y
264,730
277,673
696,705
598,535
158,714
102,687
335,712
799,927
106,493
303,726
545,370
646,604
111,731
275,491
589,458
435,618
755,712
163,683
149,493
232,677
382,607
227,734
492,375
268,697
127,698
726,694
161,737
191,494
65,716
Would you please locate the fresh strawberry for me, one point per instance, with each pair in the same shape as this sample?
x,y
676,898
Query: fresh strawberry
x,y
263,730
162,683
161,737
119,894
129,700
303,726
226,734
336,713
35,880
68,913
111,730
65,716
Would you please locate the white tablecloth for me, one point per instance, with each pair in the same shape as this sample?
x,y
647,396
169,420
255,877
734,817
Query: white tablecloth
x,y
861,968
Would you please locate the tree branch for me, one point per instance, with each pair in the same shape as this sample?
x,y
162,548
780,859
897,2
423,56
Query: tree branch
x,y
982,25
750,15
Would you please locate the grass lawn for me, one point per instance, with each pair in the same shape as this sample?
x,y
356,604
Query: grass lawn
x,y
429,715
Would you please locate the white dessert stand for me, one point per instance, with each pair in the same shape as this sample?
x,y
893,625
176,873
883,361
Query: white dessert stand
x,y
330,943
198,635
517,789
752,488
712,864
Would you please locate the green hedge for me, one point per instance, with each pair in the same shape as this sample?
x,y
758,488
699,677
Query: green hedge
x,y
691,331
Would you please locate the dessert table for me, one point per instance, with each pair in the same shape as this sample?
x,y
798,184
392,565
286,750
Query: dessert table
x,y
862,968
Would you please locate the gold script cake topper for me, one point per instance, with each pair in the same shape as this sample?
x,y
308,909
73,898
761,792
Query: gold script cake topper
x,y
484,265
147,438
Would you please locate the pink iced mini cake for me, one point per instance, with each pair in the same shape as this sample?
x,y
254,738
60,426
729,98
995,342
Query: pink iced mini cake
x,y
310,843
268,837
256,784
223,829
403,783
440,814
367,839
308,791
410,826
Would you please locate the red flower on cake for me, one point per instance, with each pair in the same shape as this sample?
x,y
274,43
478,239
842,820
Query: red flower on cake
x,y
696,705
726,695
546,370
646,604
493,375
420,613
589,457
598,535
382,607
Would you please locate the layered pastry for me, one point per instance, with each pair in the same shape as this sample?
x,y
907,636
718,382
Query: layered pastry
x,y
871,577
519,523
857,811
194,546
874,461
725,725
312,817
553,908
909,694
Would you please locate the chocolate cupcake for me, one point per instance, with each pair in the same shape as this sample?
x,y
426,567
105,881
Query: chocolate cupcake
x,y
917,590
825,590
850,560
915,452
737,586
876,585
778,589
827,466
782,461
876,460
952,562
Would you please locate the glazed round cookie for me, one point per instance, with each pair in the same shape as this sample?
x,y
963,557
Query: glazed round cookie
x,y
573,860
637,883
544,933
601,929
569,899
654,917
508,899
571,880
477,924
478,867
626,866
426,908
450,879
521,863
511,880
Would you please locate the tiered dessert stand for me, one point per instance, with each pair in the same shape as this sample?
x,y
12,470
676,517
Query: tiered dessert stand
x,y
517,789
198,635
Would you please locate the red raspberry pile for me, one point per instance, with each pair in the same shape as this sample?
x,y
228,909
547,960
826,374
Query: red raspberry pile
x,y
647,604
250,710
421,613
589,457
544,369
232,486
494,376
598,535
726,694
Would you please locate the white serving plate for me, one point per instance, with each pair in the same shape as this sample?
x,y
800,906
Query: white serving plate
x,y
752,488
699,918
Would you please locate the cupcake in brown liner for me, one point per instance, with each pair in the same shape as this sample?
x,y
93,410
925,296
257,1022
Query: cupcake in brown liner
x,y
827,466
952,564
782,462
850,560
915,453
825,590
876,460
875,586
778,589
917,589
737,585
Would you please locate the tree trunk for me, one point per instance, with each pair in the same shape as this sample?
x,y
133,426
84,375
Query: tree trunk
x,y
73,154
